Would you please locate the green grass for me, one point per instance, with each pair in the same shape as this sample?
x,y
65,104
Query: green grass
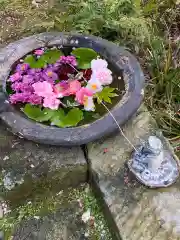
x,y
150,30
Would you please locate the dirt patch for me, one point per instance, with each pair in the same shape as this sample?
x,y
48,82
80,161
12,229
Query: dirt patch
x,y
10,23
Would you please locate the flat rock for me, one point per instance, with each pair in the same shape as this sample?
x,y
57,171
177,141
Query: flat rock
x,y
27,168
64,224
130,204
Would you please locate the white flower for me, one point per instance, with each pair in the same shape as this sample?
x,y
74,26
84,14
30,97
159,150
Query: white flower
x,y
98,64
104,76
94,85
86,216
88,103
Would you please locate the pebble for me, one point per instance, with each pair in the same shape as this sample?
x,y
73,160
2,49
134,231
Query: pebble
x,y
1,211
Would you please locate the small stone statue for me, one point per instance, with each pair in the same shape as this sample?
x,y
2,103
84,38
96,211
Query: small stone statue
x,y
154,166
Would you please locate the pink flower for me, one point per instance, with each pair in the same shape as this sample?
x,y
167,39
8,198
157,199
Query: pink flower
x,y
62,89
74,86
15,77
82,93
43,89
97,64
39,52
51,102
103,75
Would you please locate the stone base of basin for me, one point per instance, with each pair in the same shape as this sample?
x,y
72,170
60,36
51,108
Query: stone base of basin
x,y
27,167
129,205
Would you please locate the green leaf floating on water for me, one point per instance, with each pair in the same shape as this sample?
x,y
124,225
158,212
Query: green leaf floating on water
x,y
84,57
37,114
106,94
33,63
49,57
72,118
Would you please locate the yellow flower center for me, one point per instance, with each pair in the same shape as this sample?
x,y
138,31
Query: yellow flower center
x,y
49,74
23,67
94,86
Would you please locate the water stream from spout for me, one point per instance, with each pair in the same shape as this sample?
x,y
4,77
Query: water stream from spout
x,y
113,117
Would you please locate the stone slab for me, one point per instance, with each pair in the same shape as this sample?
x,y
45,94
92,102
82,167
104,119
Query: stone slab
x,y
130,204
27,168
63,224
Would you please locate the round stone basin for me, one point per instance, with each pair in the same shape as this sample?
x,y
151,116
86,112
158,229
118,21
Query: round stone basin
x,y
122,63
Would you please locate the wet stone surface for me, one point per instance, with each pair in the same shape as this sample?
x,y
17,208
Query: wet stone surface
x,y
129,203
65,223
27,168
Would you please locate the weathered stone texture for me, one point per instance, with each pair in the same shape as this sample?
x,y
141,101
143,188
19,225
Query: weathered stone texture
x,y
129,203
27,167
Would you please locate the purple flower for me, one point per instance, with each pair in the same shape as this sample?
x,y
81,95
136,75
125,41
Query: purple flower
x,y
19,97
28,79
22,87
15,77
25,98
34,71
23,67
68,60
49,76
35,99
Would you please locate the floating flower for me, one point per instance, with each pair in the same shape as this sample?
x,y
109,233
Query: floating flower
x,y
49,75
103,75
88,103
28,79
43,89
35,99
62,89
68,60
22,67
97,64
34,71
25,98
87,74
82,93
22,87
74,86
15,77
39,52
51,102
94,85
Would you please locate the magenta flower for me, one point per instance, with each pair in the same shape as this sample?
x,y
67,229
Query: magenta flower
x,y
49,75
39,52
51,102
25,98
28,79
34,71
74,86
62,89
68,60
23,67
35,99
22,87
19,97
82,94
15,77
43,89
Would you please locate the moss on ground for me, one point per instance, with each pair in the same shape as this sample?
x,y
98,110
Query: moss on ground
x,y
96,227
22,18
